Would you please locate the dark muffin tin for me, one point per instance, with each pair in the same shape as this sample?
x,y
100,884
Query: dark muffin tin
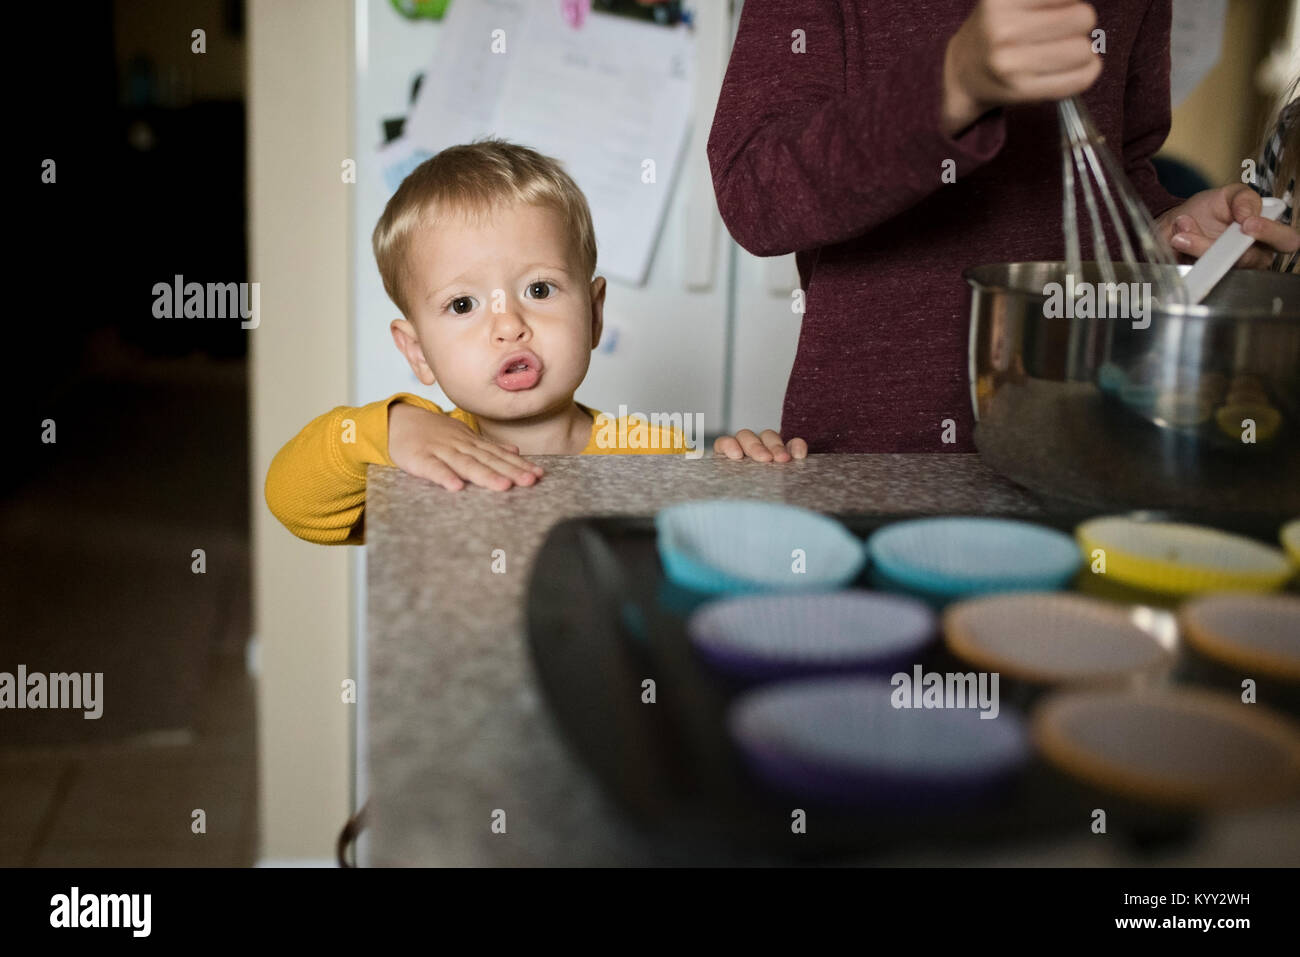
x,y
602,619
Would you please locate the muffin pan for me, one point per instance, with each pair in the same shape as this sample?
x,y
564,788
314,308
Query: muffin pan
x,y
671,728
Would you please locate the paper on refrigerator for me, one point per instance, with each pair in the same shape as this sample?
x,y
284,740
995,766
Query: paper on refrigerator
x,y
1195,42
611,100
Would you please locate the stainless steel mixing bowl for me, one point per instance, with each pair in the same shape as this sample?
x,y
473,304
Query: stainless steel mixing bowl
x,y
1189,407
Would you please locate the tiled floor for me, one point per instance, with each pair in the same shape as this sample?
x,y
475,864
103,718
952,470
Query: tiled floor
x,y
152,463
131,804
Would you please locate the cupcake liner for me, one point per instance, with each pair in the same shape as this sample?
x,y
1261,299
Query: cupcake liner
x,y
1184,748
737,546
957,557
1289,536
1230,417
1181,559
841,740
1053,638
1256,633
765,636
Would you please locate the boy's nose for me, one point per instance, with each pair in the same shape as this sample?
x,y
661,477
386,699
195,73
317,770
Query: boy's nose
x,y
509,327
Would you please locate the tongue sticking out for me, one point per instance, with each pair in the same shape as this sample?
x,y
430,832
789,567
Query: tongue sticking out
x,y
520,375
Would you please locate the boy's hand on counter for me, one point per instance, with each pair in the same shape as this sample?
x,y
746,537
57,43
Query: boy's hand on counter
x,y
443,450
1017,51
767,447
1192,226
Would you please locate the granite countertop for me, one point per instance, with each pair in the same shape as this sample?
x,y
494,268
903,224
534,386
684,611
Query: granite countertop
x,y
456,725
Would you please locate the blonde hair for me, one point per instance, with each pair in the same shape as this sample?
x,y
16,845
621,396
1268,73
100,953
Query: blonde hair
x,y
475,179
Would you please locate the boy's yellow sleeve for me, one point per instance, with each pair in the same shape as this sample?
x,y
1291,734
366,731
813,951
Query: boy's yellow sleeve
x,y
316,485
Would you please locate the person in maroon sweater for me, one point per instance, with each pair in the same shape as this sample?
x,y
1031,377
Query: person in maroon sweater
x,y
834,126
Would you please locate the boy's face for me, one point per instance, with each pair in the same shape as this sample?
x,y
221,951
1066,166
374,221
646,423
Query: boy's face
x,y
484,293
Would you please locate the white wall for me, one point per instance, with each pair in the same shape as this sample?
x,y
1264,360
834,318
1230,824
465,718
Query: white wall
x,y
299,132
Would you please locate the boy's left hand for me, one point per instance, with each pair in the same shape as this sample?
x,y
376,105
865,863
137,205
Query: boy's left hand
x,y
767,447
1191,227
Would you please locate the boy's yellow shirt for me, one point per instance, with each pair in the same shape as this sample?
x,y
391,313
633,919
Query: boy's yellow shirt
x,y
316,485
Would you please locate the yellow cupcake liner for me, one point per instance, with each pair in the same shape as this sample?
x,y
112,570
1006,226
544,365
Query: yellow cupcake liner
x,y
1290,537
1266,418
1166,565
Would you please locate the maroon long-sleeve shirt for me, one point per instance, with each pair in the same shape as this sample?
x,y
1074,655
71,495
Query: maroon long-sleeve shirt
x,y
837,154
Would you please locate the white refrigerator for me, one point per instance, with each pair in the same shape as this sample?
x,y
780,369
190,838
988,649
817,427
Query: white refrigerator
x,y
710,330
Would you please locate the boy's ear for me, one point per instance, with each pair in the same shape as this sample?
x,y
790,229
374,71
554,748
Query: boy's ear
x,y
597,310
408,344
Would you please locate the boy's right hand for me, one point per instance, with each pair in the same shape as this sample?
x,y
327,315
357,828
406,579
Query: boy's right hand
x,y
434,446
1017,51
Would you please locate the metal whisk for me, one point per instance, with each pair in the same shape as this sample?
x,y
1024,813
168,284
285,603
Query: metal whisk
x,y
1084,150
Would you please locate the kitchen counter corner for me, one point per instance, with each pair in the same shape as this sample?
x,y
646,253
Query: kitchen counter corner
x,y
456,725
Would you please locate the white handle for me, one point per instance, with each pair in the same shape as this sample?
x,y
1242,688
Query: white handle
x,y
781,275
1223,255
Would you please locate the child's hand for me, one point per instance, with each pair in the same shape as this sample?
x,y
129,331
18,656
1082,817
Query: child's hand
x,y
763,448
441,449
1191,227
1017,51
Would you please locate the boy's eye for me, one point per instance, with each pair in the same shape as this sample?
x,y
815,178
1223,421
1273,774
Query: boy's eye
x,y
462,305
540,289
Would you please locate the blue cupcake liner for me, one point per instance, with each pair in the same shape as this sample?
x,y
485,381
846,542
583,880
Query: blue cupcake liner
x,y
957,557
733,546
